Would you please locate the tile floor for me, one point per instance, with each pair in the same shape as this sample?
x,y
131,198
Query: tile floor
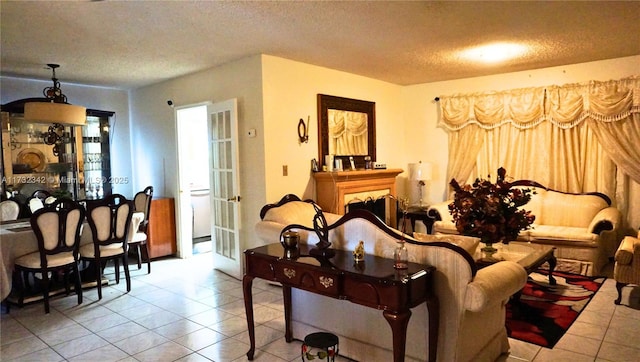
x,y
185,311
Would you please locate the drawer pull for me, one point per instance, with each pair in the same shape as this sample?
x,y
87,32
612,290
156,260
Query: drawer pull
x,y
326,282
289,273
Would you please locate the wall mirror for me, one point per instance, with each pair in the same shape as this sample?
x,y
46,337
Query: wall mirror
x,y
346,128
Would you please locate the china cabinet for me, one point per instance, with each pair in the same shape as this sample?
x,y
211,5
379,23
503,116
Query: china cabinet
x,y
65,160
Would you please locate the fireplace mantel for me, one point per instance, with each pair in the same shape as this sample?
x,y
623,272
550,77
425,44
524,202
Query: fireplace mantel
x,y
336,189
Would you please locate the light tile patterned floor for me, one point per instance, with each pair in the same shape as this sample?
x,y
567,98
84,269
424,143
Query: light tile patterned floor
x,y
185,311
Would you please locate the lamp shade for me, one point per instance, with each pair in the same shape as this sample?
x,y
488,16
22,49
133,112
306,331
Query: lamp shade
x,y
50,112
420,171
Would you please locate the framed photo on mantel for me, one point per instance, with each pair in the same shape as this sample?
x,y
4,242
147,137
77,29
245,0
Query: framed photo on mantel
x,y
346,130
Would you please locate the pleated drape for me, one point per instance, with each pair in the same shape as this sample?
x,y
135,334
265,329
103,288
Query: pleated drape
x,y
573,138
347,132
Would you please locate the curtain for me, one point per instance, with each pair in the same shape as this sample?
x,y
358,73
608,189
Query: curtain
x,y
347,132
573,138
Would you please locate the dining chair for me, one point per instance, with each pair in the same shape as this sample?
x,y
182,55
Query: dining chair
x,y
57,229
142,203
9,210
109,220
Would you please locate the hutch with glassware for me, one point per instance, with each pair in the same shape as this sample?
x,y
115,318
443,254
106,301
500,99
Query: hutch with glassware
x,y
62,159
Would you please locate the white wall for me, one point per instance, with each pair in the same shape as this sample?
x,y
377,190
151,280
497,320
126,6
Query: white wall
x,y
424,138
104,99
290,93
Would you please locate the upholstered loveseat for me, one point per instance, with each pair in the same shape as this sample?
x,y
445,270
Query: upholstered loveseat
x,y
472,302
583,227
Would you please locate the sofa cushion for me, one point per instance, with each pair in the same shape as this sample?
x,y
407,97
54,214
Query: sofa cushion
x,y
580,235
570,210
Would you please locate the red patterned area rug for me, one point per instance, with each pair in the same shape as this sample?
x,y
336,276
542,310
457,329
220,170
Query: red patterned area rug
x,y
545,311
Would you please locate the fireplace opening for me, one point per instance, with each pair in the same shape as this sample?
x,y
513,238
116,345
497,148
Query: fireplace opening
x,y
377,206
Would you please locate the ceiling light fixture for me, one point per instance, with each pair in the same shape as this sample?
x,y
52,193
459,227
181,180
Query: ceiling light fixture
x,y
495,53
54,107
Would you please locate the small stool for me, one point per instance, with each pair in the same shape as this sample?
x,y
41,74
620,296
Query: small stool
x,y
328,342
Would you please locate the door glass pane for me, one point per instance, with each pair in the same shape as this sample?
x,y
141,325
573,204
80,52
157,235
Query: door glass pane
x,y
219,241
223,186
232,245
223,215
220,125
229,184
227,123
231,221
215,157
221,155
228,154
214,126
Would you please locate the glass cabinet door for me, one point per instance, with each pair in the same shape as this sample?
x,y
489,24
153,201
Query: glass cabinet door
x,y
64,160
95,165
38,156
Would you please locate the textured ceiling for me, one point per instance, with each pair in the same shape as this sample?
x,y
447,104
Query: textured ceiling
x,y
128,44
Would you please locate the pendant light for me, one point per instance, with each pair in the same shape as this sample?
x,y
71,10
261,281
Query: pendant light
x,y
54,107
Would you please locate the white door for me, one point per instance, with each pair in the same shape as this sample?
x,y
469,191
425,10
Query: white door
x,y
225,187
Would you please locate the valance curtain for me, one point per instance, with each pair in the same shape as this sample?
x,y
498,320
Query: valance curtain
x,y
347,132
570,138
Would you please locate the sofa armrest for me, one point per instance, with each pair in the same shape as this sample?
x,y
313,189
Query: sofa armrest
x,y
606,219
494,284
440,211
625,252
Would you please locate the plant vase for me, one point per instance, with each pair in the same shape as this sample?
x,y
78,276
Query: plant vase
x,y
488,251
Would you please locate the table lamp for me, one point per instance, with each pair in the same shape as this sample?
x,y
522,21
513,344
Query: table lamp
x,y
419,175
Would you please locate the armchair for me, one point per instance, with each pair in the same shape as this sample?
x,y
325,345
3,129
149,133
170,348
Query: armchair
x,y
627,264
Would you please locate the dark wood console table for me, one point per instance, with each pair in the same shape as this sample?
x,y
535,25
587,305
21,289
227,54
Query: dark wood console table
x,y
374,283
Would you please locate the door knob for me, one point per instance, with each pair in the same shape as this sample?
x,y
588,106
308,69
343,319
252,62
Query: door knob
x,y
235,199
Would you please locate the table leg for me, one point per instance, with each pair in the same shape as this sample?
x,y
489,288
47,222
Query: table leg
x,y
433,308
552,266
247,282
398,322
286,294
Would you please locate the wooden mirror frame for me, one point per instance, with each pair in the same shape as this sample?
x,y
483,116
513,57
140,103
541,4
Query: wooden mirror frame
x,y
326,102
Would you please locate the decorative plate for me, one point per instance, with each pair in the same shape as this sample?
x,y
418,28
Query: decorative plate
x,y
34,158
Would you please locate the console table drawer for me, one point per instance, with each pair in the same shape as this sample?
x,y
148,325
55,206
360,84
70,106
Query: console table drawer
x,y
318,281
260,267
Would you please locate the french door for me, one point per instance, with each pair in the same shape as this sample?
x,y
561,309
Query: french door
x,y
224,180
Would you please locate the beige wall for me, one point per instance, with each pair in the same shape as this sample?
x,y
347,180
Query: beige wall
x,y
290,93
425,139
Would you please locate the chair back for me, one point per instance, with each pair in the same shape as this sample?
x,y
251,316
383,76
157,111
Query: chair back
x,y
34,204
110,219
41,194
142,202
9,210
58,228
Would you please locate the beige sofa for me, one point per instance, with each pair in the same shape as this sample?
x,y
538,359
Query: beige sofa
x,y
583,227
472,302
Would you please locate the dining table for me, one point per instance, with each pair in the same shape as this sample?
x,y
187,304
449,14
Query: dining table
x,y
17,239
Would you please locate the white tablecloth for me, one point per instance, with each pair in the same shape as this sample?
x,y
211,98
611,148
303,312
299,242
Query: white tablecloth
x,y
17,239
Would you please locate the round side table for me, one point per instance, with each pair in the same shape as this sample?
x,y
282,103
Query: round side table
x,y
327,342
